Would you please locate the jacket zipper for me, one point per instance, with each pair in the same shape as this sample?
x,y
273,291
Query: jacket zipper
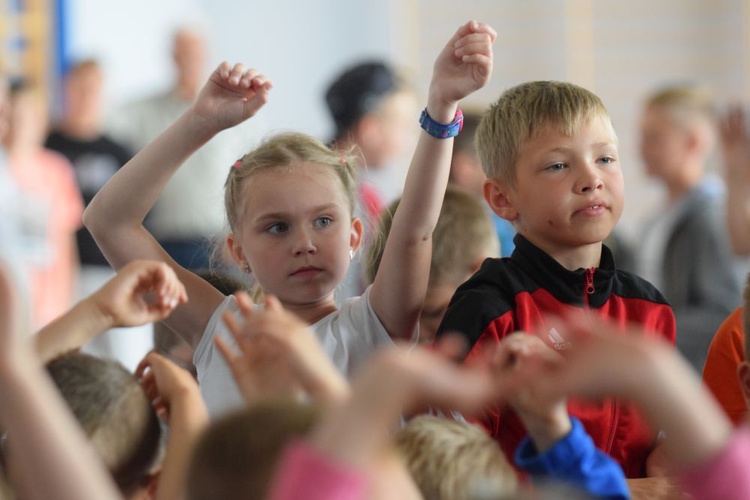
x,y
588,287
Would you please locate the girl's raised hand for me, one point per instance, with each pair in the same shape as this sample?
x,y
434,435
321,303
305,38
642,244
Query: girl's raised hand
x,y
465,63
142,292
232,95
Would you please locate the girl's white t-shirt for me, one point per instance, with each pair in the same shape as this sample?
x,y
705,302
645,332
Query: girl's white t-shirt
x,y
348,336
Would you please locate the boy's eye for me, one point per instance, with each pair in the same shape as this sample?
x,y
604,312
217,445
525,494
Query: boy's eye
x,y
323,221
606,160
277,228
555,167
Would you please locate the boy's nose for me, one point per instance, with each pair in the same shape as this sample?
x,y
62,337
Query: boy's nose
x,y
590,180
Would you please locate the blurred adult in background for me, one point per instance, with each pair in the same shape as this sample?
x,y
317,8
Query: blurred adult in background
x,y
685,249
95,157
53,206
14,236
190,210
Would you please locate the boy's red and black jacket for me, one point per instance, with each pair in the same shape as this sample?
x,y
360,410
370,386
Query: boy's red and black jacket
x,y
515,293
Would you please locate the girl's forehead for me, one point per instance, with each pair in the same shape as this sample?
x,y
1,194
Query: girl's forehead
x,y
294,186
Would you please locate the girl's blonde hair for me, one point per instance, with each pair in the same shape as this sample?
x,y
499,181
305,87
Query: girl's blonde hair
x,y
283,151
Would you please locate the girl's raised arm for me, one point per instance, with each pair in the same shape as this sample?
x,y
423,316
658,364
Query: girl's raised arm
x,y
115,216
399,288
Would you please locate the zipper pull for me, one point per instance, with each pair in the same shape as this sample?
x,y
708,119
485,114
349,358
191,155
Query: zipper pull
x,y
589,276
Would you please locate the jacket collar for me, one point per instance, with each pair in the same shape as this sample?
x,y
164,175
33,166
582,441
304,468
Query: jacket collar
x,y
567,286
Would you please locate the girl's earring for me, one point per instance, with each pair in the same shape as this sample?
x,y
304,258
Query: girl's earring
x,y
351,253
246,268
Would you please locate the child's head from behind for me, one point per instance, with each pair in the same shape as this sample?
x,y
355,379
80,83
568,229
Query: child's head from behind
x,y
290,205
463,237
550,154
236,456
677,131
115,414
448,459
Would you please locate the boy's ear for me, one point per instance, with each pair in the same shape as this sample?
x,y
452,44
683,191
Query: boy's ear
x,y
499,197
743,376
235,251
355,239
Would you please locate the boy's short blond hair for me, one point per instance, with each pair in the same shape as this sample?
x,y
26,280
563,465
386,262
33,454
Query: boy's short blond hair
x,y
685,103
452,460
525,110
463,236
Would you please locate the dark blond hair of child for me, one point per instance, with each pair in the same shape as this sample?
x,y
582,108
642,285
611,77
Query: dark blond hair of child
x,y
115,414
448,459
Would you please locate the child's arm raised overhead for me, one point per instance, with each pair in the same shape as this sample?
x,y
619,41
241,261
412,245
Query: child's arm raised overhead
x,y
115,216
51,457
398,291
735,142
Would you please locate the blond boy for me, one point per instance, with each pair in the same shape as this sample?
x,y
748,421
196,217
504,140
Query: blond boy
x,y
464,236
550,154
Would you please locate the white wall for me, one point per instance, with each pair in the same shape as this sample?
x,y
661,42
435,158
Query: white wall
x,y
299,44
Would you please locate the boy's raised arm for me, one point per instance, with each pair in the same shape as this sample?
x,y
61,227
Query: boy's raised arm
x,y
398,291
115,216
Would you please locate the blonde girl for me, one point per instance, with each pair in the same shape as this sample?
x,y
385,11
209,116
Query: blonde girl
x,y
290,210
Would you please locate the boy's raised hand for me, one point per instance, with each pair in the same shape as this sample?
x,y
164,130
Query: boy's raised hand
x,y
232,95
465,63
142,292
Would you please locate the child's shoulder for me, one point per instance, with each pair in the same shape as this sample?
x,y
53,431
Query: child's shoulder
x,y
630,285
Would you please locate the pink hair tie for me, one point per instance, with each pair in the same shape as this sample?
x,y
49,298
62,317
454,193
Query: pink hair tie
x,y
237,163
342,159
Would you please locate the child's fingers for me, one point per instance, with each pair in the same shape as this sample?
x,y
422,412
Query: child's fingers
x,y
226,352
244,303
247,77
140,370
236,74
272,304
451,346
463,30
224,69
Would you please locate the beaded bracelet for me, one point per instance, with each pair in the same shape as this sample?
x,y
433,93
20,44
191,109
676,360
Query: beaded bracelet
x,y
440,130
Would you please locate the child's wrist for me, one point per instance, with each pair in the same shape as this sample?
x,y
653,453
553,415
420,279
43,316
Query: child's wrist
x,y
441,110
204,129
548,430
99,314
